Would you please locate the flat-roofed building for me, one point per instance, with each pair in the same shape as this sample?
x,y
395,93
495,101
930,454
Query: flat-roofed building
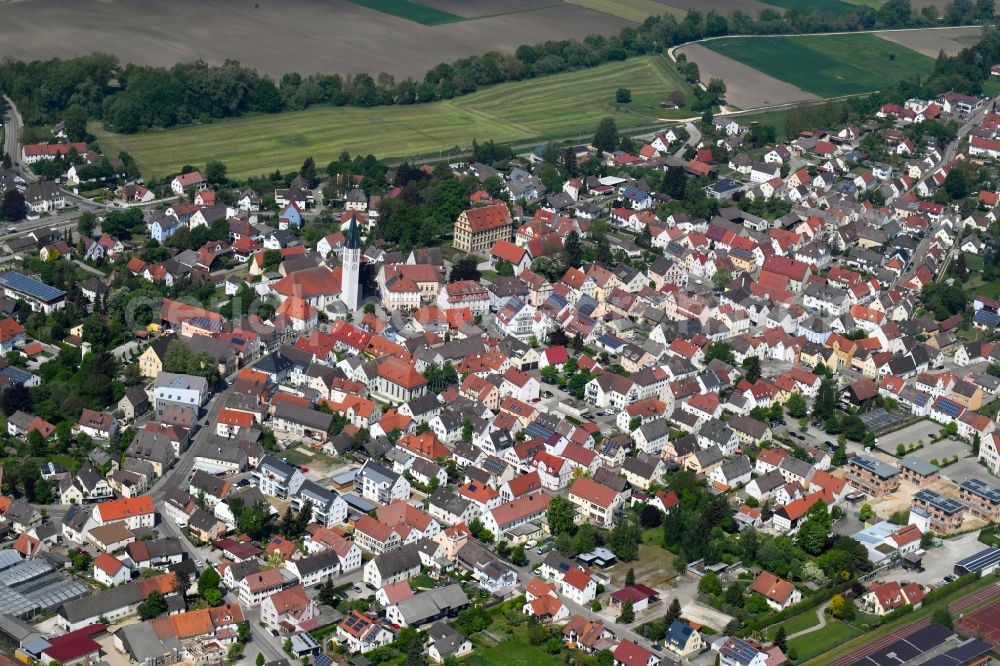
x,y
981,499
939,513
872,476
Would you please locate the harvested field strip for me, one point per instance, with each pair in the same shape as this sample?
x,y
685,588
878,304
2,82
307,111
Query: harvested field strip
x,y
631,10
827,65
409,10
828,6
932,42
555,106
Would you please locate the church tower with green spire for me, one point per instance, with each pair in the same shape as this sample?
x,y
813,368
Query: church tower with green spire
x,y
351,267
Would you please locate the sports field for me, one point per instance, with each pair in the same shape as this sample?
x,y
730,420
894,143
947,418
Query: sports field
x,y
827,65
555,106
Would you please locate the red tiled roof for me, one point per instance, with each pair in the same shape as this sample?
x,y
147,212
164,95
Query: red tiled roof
x,y
488,217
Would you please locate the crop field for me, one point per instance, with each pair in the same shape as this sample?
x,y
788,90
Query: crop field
x,y
932,42
631,10
401,37
558,105
412,11
829,6
826,65
747,88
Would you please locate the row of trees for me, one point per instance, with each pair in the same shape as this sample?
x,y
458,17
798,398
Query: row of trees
x,y
77,89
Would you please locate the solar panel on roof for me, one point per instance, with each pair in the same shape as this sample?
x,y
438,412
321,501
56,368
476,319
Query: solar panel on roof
x,y
895,654
30,286
929,637
972,649
948,407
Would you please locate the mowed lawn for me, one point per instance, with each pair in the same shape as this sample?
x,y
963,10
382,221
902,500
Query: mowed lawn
x,y
823,640
555,106
514,652
827,65
800,622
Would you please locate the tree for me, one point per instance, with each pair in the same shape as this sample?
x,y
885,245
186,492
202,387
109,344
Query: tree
x,y
604,256
780,639
735,595
826,399
673,611
549,374
560,514
624,539
569,162
720,350
796,406
182,581
674,182
85,225
709,584
815,530
838,606
943,617
327,593
627,616
866,513
623,96
606,138
12,208
465,268
415,655
504,268
650,516
751,369
260,659
154,606
215,172
208,586
479,531
573,251
308,172
630,576
721,278
975,444
957,184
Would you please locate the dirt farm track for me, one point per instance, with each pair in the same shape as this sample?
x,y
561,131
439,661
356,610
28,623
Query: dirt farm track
x,y
279,36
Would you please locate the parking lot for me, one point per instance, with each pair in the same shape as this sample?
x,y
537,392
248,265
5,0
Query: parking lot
x,y
911,434
938,562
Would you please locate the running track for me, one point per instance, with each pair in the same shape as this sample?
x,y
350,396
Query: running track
x,y
903,632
